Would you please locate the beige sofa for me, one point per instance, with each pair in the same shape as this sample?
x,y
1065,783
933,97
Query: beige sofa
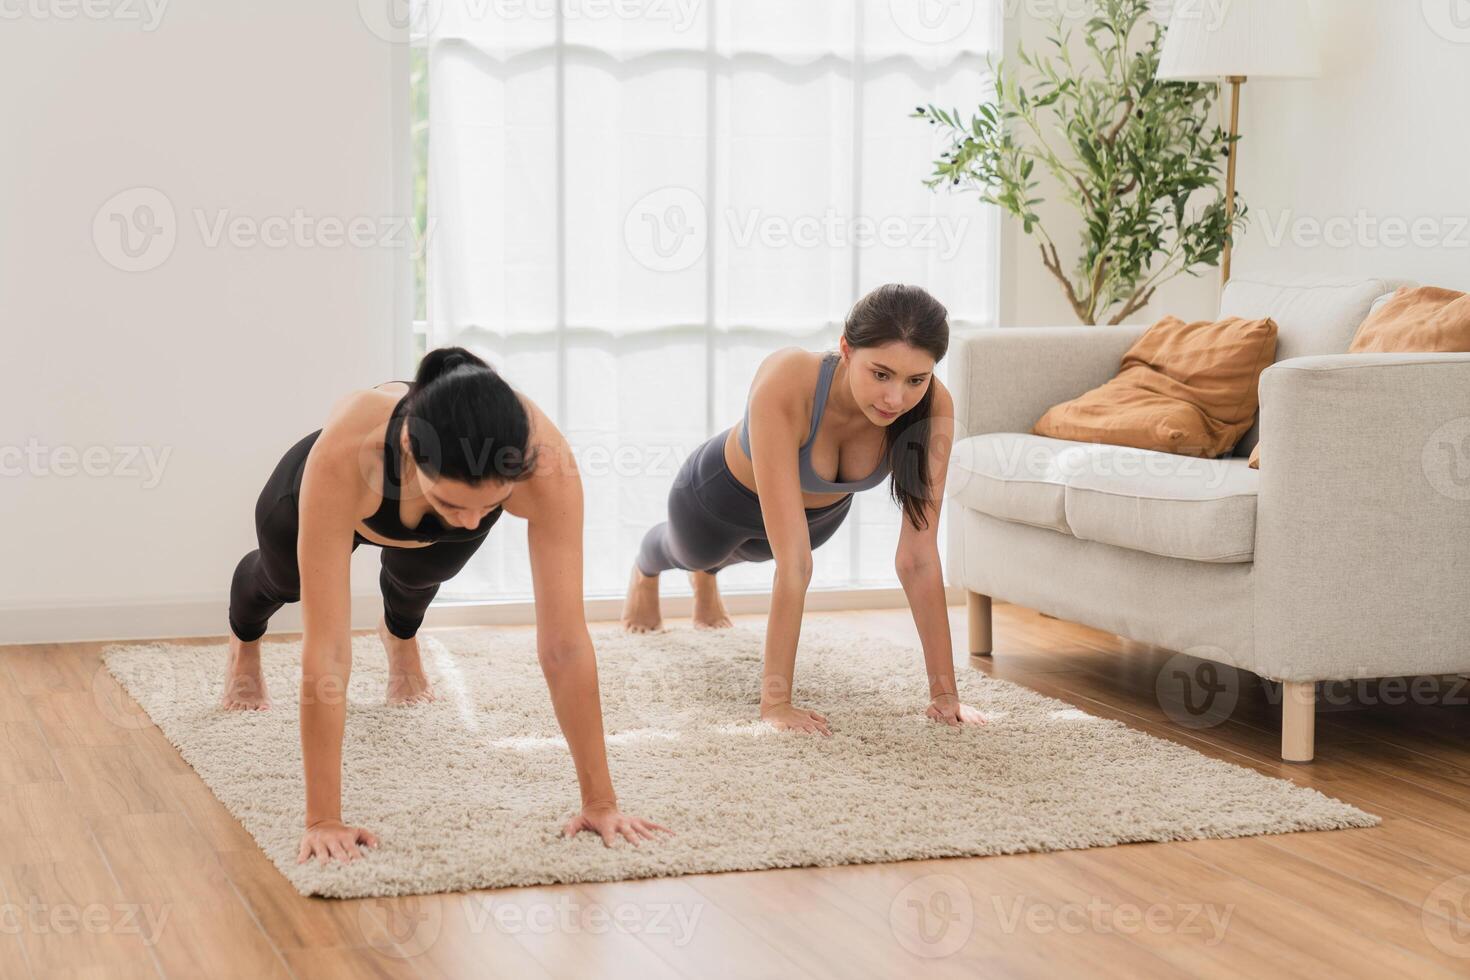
x,y
1346,555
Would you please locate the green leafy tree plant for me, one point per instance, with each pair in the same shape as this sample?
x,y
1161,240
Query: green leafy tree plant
x,y
1128,151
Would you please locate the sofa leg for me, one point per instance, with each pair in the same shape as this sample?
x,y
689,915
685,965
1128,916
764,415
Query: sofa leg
x,y
979,607
1298,720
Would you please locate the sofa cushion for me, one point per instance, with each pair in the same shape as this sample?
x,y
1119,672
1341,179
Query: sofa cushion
x,y
1160,503
1317,318
1011,475
1174,506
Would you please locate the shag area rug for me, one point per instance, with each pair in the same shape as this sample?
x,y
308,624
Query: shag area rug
x,y
472,790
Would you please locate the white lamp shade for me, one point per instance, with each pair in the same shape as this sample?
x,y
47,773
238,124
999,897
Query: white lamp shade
x,y
1254,38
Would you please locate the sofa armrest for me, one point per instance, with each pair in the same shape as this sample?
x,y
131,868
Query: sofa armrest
x,y
1004,379
1363,517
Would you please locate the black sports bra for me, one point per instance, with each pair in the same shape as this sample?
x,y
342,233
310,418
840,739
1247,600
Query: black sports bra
x,y
385,519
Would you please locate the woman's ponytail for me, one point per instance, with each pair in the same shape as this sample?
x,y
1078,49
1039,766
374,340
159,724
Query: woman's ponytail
x,y
464,422
441,361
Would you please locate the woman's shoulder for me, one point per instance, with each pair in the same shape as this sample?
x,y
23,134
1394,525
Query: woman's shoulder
x,y
352,439
789,370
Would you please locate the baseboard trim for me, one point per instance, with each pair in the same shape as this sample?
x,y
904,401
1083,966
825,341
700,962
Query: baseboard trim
x,y
91,621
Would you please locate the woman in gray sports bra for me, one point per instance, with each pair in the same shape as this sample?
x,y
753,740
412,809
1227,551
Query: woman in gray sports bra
x,y
881,399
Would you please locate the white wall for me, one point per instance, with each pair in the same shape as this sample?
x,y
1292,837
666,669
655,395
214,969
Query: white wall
x,y
1382,137
221,356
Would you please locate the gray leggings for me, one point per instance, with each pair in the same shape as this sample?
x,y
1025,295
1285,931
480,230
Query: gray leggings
x,y
715,520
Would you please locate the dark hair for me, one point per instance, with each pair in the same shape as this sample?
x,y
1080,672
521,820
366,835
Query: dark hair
x,y
464,422
907,314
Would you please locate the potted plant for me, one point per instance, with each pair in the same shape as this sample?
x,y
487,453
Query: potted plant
x,y
1128,151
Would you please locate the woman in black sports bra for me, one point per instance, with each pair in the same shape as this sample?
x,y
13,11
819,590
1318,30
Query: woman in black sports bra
x,y
423,472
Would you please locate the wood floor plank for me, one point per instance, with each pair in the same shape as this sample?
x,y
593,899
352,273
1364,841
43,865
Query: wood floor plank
x,y
72,920
160,860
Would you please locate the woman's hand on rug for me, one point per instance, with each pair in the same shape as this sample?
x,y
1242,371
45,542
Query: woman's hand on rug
x,y
787,717
327,839
606,820
948,709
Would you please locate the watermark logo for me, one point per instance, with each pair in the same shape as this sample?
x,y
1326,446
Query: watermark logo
x,y
177,682
1123,918
147,14
41,461
1450,19
666,230
402,927
397,21
1363,229
932,21
135,230
1446,459
38,918
933,916
1445,917
1195,691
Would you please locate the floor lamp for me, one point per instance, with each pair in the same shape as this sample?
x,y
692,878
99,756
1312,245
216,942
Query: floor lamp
x,y
1242,39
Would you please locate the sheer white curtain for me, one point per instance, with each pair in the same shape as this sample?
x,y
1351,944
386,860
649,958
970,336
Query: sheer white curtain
x,y
632,202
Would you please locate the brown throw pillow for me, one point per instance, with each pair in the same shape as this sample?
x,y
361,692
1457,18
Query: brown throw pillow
x,y
1186,388
1415,320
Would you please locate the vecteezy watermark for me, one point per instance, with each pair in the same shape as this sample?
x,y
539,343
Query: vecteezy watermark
x,y
1365,230
302,230
667,230
38,918
1450,19
137,229
147,14
177,680
399,21
402,927
932,916
1446,459
1000,457
932,21
1195,690
409,926
1124,918
112,462
832,229
1445,916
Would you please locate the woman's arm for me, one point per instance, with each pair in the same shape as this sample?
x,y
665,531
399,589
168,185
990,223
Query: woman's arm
x,y
323,555
776,425
922,576
563,645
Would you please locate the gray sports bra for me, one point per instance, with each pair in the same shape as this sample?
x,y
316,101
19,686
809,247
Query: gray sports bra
x,y
810,481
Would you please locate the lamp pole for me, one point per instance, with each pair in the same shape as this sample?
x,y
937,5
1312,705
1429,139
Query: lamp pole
x,y
1235,82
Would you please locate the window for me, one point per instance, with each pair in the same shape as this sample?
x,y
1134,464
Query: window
x,y
628,205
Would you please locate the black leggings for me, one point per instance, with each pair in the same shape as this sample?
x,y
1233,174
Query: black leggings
x,y
268,577
715,520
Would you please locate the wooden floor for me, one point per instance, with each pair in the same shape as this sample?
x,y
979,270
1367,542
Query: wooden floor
x,y
115,860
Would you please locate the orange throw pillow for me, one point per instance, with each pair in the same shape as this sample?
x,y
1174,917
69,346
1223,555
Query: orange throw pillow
x,y
1415,320
1185,388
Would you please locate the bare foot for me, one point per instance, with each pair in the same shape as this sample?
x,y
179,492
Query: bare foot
x,y
244,683
407,683
709,609
640,609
